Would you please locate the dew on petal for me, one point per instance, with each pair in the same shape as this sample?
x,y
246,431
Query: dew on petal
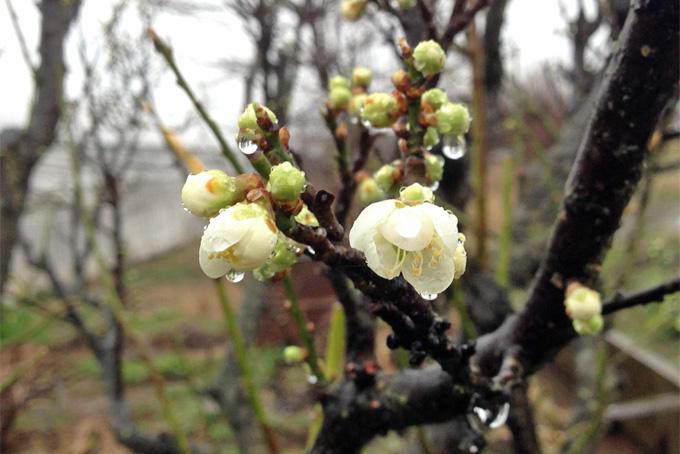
x,y
454,147
234,276
246,146
429,296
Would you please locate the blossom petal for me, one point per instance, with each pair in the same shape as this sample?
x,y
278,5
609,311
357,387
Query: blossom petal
x,y
224,230
428,273
364,227
255,248
212,267
381,257
409,228
445,224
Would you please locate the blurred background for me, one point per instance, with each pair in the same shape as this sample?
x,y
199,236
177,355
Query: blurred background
x,y
91,208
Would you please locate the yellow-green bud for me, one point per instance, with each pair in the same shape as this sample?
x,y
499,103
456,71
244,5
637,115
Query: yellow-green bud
x,y
284,254
356,104
416,193
406,4
435,97
380,110
306,217
293,354
429,58
431,137
434,167
338,82
352,10
361,77
206,193
339,98
384,177
453,119
247,122
589,327
582,303
286,182
369,191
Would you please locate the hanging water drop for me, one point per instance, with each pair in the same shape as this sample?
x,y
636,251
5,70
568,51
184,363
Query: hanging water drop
x,y
312,379
234,276
429,296
434,186
246,146
501,416
454,147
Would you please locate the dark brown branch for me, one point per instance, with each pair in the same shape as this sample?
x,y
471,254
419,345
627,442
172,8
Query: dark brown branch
x,y
460,18
639,82
652,295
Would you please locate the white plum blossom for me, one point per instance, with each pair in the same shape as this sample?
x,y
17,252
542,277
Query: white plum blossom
x,y
240,238
411,236
205,193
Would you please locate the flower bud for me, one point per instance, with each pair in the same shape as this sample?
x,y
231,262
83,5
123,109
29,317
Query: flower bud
x,y
286,182
247,122
356,104
293,354
384,177
369,191
406,4
380,109
431,137
453,119
352,10
416,193
434,167
306,217
582,303
589,327
401,80
460,257
206,193
284,255
361,77
429,58
338,82
339,98
435,98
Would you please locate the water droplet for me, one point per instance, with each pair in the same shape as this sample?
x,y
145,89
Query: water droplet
x,y
354,120
454,147
501,416
310,250
234,276
294,248
312,379
429,296
246,146
434,186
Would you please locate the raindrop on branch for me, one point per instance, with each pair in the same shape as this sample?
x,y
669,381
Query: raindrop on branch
x,y
234,276
454,147
246,146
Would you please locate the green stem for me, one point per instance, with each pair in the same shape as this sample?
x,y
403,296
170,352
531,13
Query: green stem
x,y
165,50
244,365
307,340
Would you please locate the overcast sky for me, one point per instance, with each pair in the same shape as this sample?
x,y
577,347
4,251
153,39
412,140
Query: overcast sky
x,y
533,29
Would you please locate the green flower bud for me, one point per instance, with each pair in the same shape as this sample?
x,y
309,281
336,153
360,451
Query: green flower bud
x,y
247,122
384,177
434,167
453,119
286,182
293,354
338,82
306,217
589,327
406,4
352,10
429,58
206,193
416,193
380,110
582,303
356,104
285,254
339,98
435,97
369,191
361,77
431,137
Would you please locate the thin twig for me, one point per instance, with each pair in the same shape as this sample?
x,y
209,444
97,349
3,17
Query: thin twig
x,y
654,294
22,40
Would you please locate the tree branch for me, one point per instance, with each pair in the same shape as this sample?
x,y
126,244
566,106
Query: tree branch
x,y
655,294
